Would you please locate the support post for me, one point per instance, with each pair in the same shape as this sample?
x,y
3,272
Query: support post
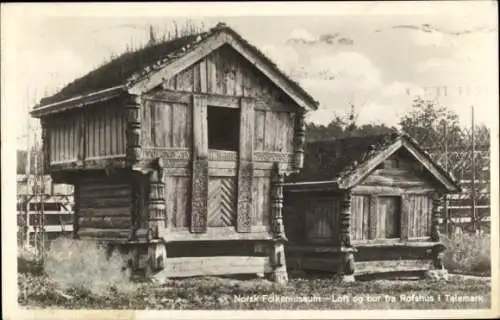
x,y
278,262
156,206
345,221
299,141
277,202
133,153
346,267
436,217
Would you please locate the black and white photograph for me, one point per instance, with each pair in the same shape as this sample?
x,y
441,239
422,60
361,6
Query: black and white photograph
x,y
250,160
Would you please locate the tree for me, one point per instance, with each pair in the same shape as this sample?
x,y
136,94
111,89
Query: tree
x,y
345,126
427,123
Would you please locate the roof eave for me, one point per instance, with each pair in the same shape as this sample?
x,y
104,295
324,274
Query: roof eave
x,y
78,101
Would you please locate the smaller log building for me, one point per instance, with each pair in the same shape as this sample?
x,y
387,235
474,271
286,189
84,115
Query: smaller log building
x,y
374,200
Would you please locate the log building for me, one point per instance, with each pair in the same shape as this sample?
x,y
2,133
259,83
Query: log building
x,y
374,200
178,152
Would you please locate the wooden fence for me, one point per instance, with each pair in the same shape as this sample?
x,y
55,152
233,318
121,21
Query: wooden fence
x,y
465,152
42,216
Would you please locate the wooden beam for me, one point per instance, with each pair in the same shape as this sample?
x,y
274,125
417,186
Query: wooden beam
x,y
221,265
215,100
245,167
410,243
103,233
372,267
199,194
218,234
117,161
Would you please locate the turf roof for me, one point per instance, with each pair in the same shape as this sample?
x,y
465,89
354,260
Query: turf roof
x,y
133,66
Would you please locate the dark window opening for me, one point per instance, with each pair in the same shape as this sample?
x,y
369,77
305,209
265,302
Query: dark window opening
x,y
223,128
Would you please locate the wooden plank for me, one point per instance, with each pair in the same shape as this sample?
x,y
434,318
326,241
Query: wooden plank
x,y
373,217
54,228
366,218
105,222
182,201
217,100
392,243
53,136
416,213
185,79
281,138
105,212
102,132
218,234
103,233
211,74
245,167
238,80
100,202
405,214
200,166
220,81
259,134
163,125
203,75
96,189
220,265
270,131
385,266
122,123
179,117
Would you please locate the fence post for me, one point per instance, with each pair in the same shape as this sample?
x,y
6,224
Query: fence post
x,y
445,198
473,163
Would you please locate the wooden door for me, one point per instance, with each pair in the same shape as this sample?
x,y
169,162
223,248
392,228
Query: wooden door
x,y
389,215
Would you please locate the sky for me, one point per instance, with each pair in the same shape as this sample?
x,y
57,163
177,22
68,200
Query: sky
x,y
374,56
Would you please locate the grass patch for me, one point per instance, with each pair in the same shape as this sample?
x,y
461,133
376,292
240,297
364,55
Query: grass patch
x,y
301,293
79,274
468,254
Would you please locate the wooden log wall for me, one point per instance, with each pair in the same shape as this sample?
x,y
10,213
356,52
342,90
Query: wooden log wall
x,y
322,220
360,215
95,133
104,209
64,141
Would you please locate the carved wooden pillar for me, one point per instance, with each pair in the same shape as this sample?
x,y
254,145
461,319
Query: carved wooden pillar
x,y
346,267
277,202
133,129
156,206
278,262
299,141
345,220
436,216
